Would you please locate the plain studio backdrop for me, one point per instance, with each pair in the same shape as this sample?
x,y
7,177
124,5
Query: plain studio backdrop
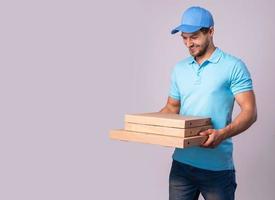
x,y
70,70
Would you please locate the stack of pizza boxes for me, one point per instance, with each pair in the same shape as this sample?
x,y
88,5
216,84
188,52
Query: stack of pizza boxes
x,y
172,130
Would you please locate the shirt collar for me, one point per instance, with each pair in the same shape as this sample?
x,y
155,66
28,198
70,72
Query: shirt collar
x,y
216,55
214,58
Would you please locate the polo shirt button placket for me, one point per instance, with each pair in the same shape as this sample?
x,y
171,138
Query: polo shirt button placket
x,y
198,77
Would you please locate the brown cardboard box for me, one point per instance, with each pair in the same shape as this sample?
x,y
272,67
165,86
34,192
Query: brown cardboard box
x,y
169,141
167,120
169,131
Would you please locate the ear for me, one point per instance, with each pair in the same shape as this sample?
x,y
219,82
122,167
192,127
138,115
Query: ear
x,y
211,30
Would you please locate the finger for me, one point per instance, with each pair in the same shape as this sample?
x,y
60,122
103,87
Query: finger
x,y
208,142
206,132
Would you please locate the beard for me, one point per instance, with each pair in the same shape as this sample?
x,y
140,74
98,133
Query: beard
x,y
199,50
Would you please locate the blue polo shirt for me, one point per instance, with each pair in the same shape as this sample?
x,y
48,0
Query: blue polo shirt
x,y
208,90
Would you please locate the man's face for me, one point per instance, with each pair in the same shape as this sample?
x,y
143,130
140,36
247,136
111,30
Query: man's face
x,y
198,42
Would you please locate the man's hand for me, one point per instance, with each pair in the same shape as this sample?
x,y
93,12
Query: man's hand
x,y
215,137
172,106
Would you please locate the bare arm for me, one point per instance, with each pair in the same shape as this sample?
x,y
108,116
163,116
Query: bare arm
x,y
243,121
172,106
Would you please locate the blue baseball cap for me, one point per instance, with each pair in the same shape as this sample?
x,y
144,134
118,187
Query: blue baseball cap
x,y
193,19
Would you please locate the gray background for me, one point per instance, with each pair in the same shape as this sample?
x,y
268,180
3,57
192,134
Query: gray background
x,y
70,70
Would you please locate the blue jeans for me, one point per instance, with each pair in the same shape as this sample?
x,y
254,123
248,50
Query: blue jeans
x,y
187,182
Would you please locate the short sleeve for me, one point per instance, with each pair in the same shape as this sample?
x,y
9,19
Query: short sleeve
x,y
174,91
240,80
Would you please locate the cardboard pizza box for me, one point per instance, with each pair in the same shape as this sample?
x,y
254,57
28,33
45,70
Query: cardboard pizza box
x,y
167,120
163,140
169,131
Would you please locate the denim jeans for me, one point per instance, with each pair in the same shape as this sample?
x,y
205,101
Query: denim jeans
x,y
187,182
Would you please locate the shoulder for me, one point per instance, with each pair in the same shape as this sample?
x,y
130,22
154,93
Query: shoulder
x,y
231,59
237,67
233,64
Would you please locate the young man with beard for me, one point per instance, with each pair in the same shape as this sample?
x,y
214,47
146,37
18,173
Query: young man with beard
x,y
206,84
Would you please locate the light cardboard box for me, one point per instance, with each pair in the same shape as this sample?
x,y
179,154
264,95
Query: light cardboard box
x,y
169,141
167,120
169,131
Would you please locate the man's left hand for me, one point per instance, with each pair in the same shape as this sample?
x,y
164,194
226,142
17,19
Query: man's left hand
x,y
215,137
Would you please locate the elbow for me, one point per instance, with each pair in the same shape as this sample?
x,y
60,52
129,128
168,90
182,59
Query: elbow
x,y
255,117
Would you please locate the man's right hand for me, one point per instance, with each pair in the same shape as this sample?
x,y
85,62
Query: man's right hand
x,y
172,106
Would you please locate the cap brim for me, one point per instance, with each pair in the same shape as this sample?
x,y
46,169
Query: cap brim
x,y
186,29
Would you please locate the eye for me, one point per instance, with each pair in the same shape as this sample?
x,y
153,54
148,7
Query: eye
x,y
184,38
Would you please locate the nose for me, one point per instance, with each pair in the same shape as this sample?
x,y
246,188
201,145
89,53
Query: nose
x,y
188,42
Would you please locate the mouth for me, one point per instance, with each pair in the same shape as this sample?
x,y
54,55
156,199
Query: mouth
x,y
193,48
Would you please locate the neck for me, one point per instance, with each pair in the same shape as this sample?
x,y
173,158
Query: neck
x,y
200,59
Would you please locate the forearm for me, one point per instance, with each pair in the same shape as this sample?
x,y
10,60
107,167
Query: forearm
x,y
242,122
169,109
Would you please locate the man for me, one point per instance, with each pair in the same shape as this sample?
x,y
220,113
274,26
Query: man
x,y
206,84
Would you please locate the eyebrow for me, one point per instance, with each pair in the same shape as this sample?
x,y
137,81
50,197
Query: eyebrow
x,y
194,34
